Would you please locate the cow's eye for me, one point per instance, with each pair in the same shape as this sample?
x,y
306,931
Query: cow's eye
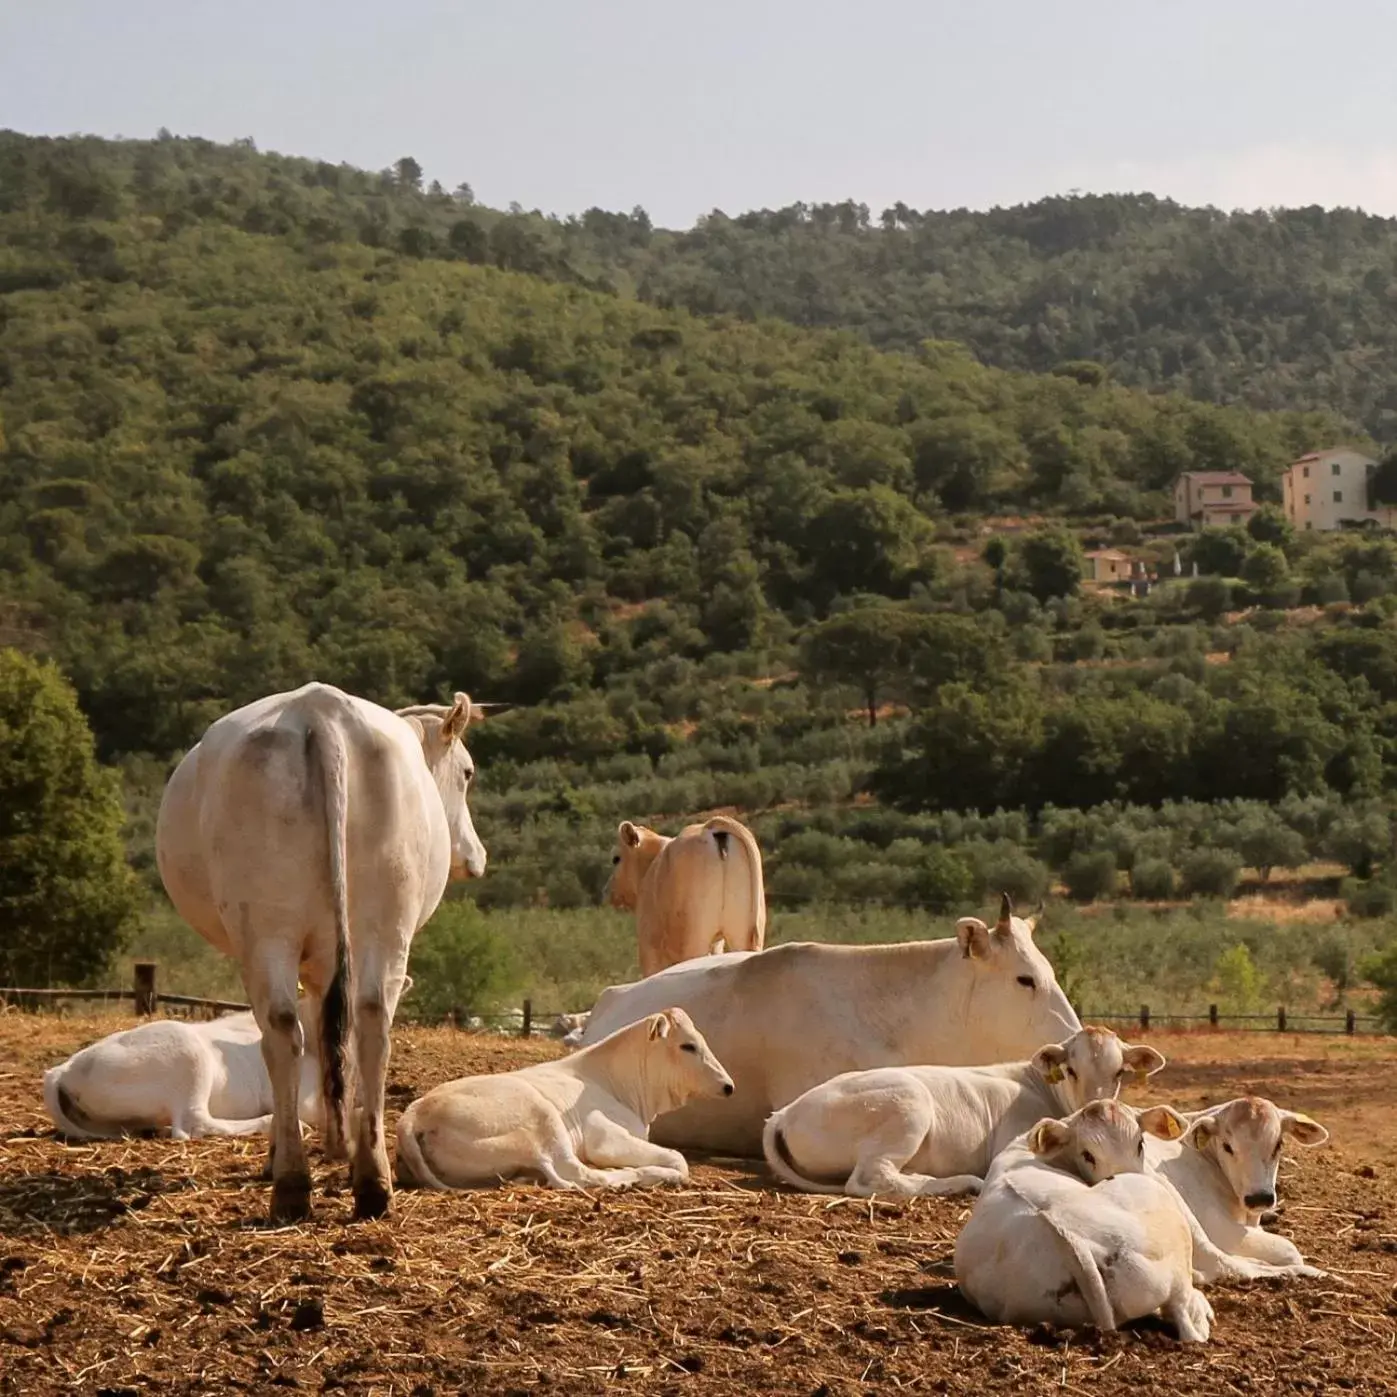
x,y
1229,1149
688,1048
1026,981
1089,1158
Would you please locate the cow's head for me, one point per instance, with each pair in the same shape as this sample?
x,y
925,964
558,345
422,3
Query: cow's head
x,y
636,849
441,728
1103,1139
1093,1065
1244,1138
1015,1004
678,1064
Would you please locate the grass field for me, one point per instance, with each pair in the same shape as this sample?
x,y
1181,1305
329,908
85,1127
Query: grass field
x,y
144,1265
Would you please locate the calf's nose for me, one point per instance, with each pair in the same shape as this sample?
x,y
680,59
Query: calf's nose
x,y
727,1088
1264,1198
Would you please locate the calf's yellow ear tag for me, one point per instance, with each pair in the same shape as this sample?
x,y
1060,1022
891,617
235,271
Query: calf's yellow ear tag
x,y
1054,1075
1141,1077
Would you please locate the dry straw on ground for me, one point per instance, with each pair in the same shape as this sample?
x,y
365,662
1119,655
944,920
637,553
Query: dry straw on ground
x,y
145,1266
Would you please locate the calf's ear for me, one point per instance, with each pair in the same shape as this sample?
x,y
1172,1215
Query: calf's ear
x,y
628,834
1143,1061
1163,1122
1302,1129
974,937
1048,1060
1048,1136
659,1026
1203,1132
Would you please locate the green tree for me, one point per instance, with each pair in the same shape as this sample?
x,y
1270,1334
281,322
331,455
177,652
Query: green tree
x,y
870,540
866,648
1269,525
1219,552
1051,563
1266,570
67,898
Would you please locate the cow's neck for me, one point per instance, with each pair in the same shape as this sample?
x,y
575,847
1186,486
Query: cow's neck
x,y
633,1087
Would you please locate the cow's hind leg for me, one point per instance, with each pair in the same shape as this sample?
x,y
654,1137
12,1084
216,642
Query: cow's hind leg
x,y
272,989
607,1145
378,981
890,1143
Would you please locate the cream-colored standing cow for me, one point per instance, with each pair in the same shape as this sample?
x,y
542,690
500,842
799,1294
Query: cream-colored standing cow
x,y
695,894
310,835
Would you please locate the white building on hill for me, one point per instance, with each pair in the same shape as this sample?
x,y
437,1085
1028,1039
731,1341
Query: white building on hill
x,y
1327,489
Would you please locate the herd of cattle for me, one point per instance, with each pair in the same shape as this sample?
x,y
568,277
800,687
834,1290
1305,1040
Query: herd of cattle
x,y
312,834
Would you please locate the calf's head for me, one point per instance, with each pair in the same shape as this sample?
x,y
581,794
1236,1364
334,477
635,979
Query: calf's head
x,y
679,1063
1015,1003
1244,1139
1103,1139
1093,1065
440,728
636,849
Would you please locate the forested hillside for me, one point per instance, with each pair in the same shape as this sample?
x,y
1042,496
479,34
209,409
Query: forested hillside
x,y
265,420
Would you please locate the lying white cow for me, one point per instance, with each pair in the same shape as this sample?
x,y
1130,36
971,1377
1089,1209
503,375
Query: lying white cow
x,y
936,1130
1224,1168
1069,1231
575,1123
190,1078
783,1020
311,835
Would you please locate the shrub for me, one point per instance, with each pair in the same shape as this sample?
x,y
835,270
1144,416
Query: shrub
x,y
1210,873
1381,970
1090,876
1236,980
1372,897
1152,879
942,882
460,964
1003,868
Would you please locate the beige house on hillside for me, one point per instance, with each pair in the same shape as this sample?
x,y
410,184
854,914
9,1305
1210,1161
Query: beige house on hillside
x,y
1327,489
1205,498
1109,565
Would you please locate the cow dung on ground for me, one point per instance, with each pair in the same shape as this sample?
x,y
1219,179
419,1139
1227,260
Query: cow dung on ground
x,y
148,1265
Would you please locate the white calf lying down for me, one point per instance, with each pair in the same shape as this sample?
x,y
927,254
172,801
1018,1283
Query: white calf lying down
x,y
1101,1244
1225,1170
935,1130
576,1123
192,1078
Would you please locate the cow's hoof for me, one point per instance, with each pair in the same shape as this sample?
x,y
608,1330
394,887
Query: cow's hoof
x,y
291,1199
372,1198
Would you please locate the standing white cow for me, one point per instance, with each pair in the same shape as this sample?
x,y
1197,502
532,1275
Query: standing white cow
x,y
935,1130
1225,1171
311,834
785,1019
190,1078
696,894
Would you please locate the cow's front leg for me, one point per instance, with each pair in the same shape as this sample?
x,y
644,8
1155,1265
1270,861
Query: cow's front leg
x,y
607,1145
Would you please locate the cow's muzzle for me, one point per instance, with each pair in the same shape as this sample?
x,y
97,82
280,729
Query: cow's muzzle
x,y
1263,1198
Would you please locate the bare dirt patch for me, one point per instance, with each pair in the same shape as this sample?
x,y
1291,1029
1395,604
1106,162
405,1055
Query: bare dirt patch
x,y
145,1266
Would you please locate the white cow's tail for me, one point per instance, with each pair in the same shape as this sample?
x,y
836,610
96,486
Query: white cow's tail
x,y
325,756
721,827
1088,1276
781,1163
65,1113
412,1160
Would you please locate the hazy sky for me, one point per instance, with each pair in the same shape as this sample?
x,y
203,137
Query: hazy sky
x,y
737,104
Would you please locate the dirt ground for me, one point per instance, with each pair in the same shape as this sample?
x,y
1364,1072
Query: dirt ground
x,y
146,1266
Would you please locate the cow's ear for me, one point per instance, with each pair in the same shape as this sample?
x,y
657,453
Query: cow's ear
x,y
1302,1129
1033,919
1163,1122
1048,1060
974,937
628,834
1142,1060
1006,912
659,1026
457,719
1048,1136
1204,1129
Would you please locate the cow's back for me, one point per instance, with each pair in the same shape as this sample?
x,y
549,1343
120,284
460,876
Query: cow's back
x,y
243,836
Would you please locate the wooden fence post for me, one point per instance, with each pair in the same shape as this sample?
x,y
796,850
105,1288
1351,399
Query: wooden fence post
x,y
1212,1016
144,985
1280,1019
1145,1017
528,1025
1350,1023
